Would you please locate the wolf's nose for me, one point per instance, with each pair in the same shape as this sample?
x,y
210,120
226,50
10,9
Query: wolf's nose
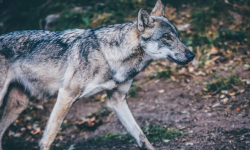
x,y
190,56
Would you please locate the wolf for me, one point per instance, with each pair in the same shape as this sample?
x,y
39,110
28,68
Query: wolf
x,y
77,63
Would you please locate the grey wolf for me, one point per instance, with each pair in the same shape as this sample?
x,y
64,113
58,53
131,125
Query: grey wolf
x,y
77,63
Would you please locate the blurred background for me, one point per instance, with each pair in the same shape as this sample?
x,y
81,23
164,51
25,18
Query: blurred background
x,y
203,105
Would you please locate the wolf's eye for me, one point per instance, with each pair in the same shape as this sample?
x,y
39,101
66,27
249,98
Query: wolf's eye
x,y
167,38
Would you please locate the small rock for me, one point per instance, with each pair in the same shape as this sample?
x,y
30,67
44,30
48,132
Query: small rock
x,y
166,140
191,132
161,91
224,91
184,112
189,144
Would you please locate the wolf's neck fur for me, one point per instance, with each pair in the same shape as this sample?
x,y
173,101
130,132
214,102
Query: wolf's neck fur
x,y
120,46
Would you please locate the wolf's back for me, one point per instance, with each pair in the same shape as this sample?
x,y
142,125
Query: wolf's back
x,y
37,42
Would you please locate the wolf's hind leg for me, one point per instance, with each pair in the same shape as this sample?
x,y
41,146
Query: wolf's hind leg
x,y
16,102
117,102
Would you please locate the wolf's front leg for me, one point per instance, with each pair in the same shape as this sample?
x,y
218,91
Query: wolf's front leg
x,y
61,108
117,102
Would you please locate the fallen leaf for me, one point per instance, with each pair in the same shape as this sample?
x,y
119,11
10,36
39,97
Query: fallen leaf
x,y
216,104
36,131
39,107
161,91
156,81
225,100
242,90
207,96
172,78
183,27
90,123
200,73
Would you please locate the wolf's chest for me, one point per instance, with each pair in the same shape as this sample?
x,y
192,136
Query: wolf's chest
x,y
94,88
123,74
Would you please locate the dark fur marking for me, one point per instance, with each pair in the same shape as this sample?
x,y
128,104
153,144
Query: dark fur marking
x,y
91,43
7,52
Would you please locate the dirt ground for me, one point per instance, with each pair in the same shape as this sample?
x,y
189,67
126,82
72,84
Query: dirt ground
x,y
178,102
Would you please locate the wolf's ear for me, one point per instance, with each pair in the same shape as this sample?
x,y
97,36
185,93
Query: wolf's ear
x,y
158,9
144,20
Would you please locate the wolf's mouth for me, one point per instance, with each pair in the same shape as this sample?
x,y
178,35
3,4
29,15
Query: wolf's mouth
x,y
176,61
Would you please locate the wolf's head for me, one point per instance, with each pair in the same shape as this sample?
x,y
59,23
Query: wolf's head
x,y
159,38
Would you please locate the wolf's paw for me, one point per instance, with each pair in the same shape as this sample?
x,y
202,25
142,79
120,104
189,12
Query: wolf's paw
x,y
148,146
144,144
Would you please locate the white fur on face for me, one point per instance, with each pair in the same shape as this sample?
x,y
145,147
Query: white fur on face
x,y
153,51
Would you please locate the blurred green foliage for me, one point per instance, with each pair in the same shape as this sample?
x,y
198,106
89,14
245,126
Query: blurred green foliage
x,y
30,14
153,132
221,83
165,73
